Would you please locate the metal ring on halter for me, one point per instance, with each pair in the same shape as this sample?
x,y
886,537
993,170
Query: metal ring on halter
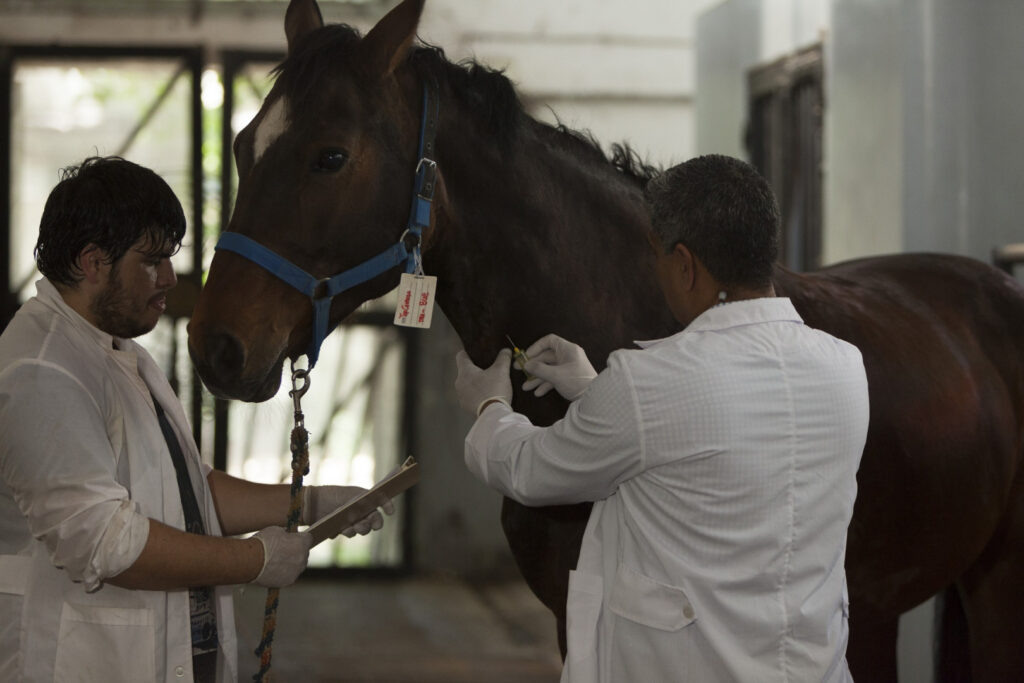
x,y
298,392
414,239
322,288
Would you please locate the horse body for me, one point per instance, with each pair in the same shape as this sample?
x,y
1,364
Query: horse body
x,y
941,499
534,231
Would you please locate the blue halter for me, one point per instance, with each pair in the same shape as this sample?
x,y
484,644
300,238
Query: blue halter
x,y
407,250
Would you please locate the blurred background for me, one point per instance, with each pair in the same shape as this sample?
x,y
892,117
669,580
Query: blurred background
x,y
883,126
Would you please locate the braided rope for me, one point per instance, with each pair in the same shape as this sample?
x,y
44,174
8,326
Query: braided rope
x,y
300,467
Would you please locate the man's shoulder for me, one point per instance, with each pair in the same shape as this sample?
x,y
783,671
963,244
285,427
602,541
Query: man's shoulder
x,y
39,338
655,357
840,346
25,333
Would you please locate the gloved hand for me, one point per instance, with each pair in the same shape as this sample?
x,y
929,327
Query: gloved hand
x,y
555,362
319,501
475,386
284,556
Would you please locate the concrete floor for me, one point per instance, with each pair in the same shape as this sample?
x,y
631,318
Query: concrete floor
x,y
422,630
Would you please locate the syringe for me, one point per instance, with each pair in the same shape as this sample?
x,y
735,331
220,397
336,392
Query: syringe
x,y
520,357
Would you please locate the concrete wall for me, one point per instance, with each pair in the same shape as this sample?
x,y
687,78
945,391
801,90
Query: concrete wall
x,y
621,69
964,101
864,169
923,100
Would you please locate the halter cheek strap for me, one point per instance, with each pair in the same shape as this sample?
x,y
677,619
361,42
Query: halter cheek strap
x,y
321,291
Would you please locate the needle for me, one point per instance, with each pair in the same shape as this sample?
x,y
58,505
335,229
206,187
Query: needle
x,y
520,356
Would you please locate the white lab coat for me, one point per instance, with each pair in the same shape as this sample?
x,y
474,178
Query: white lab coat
x,y
723,461
84,466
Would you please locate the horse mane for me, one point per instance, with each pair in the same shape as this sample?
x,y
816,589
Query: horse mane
x,y
487,91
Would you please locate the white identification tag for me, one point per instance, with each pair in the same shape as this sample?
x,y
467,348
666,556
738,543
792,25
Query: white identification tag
x,y
415,300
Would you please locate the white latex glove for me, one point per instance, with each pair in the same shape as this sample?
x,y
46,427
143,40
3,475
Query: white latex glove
x,y
320,501
476,386
558,363
284,556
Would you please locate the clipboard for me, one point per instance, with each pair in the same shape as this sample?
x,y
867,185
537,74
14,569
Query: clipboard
x,y
397,481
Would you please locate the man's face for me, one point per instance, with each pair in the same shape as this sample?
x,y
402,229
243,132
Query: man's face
x,y
134,296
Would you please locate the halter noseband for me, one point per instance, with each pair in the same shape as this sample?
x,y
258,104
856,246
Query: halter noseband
x,y
407,250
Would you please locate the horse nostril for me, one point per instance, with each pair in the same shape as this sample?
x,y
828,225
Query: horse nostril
x,y
226,355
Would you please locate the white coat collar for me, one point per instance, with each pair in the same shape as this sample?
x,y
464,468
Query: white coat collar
x,y
48,295
736,313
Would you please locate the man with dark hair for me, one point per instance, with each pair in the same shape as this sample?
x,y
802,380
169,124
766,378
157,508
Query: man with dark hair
x,y
721,460
113,559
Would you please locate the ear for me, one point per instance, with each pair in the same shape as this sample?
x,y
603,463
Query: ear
x,y
302,18
92,264
387,44
687,264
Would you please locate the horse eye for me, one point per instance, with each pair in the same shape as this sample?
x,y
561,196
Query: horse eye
x,y
329,161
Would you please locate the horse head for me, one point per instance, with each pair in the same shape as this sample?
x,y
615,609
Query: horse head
x,y
326,171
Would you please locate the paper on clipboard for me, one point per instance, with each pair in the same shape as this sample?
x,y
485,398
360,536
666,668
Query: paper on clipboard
x,y
398,480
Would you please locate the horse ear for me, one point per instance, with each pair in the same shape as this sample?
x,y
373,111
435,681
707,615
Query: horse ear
x,y
388,43
301,18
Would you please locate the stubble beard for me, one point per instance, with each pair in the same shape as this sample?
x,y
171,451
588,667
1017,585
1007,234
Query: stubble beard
x,y
112,309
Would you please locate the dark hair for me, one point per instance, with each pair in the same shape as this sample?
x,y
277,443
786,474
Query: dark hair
x,y
109,202
722,210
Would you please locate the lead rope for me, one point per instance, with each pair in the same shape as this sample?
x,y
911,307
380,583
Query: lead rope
x,y
300,468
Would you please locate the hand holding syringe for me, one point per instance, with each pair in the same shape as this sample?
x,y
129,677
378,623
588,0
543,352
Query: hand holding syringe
x,y
520,357
556,363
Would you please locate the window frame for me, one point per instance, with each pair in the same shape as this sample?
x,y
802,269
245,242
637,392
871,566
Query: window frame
x,y
784,141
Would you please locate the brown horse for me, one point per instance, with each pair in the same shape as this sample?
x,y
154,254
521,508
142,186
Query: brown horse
x,y
533,230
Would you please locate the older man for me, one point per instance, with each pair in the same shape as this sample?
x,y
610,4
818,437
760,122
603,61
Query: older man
x,y
721,460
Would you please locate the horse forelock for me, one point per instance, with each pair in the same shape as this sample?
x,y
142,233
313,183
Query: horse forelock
x,y
319,57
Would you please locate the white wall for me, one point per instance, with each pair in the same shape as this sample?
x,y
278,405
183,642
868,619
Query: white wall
x,y
622,69
964,102
923,100
862,211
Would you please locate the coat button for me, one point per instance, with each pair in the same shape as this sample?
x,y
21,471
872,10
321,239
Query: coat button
x,y
688,612
179,671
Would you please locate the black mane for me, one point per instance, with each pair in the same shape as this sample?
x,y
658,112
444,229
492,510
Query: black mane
x,y
487,91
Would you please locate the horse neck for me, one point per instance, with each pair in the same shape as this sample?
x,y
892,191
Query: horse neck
x,y
539,240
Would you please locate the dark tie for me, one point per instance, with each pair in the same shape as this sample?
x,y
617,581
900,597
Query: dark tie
x,y
203,616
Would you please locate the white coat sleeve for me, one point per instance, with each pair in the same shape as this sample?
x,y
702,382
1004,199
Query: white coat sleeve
x,y
582,457
58,462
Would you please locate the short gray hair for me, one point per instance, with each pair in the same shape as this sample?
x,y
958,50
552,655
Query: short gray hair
x,y
723,211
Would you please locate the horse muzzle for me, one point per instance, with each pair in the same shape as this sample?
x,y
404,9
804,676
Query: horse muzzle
x,y
221,360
